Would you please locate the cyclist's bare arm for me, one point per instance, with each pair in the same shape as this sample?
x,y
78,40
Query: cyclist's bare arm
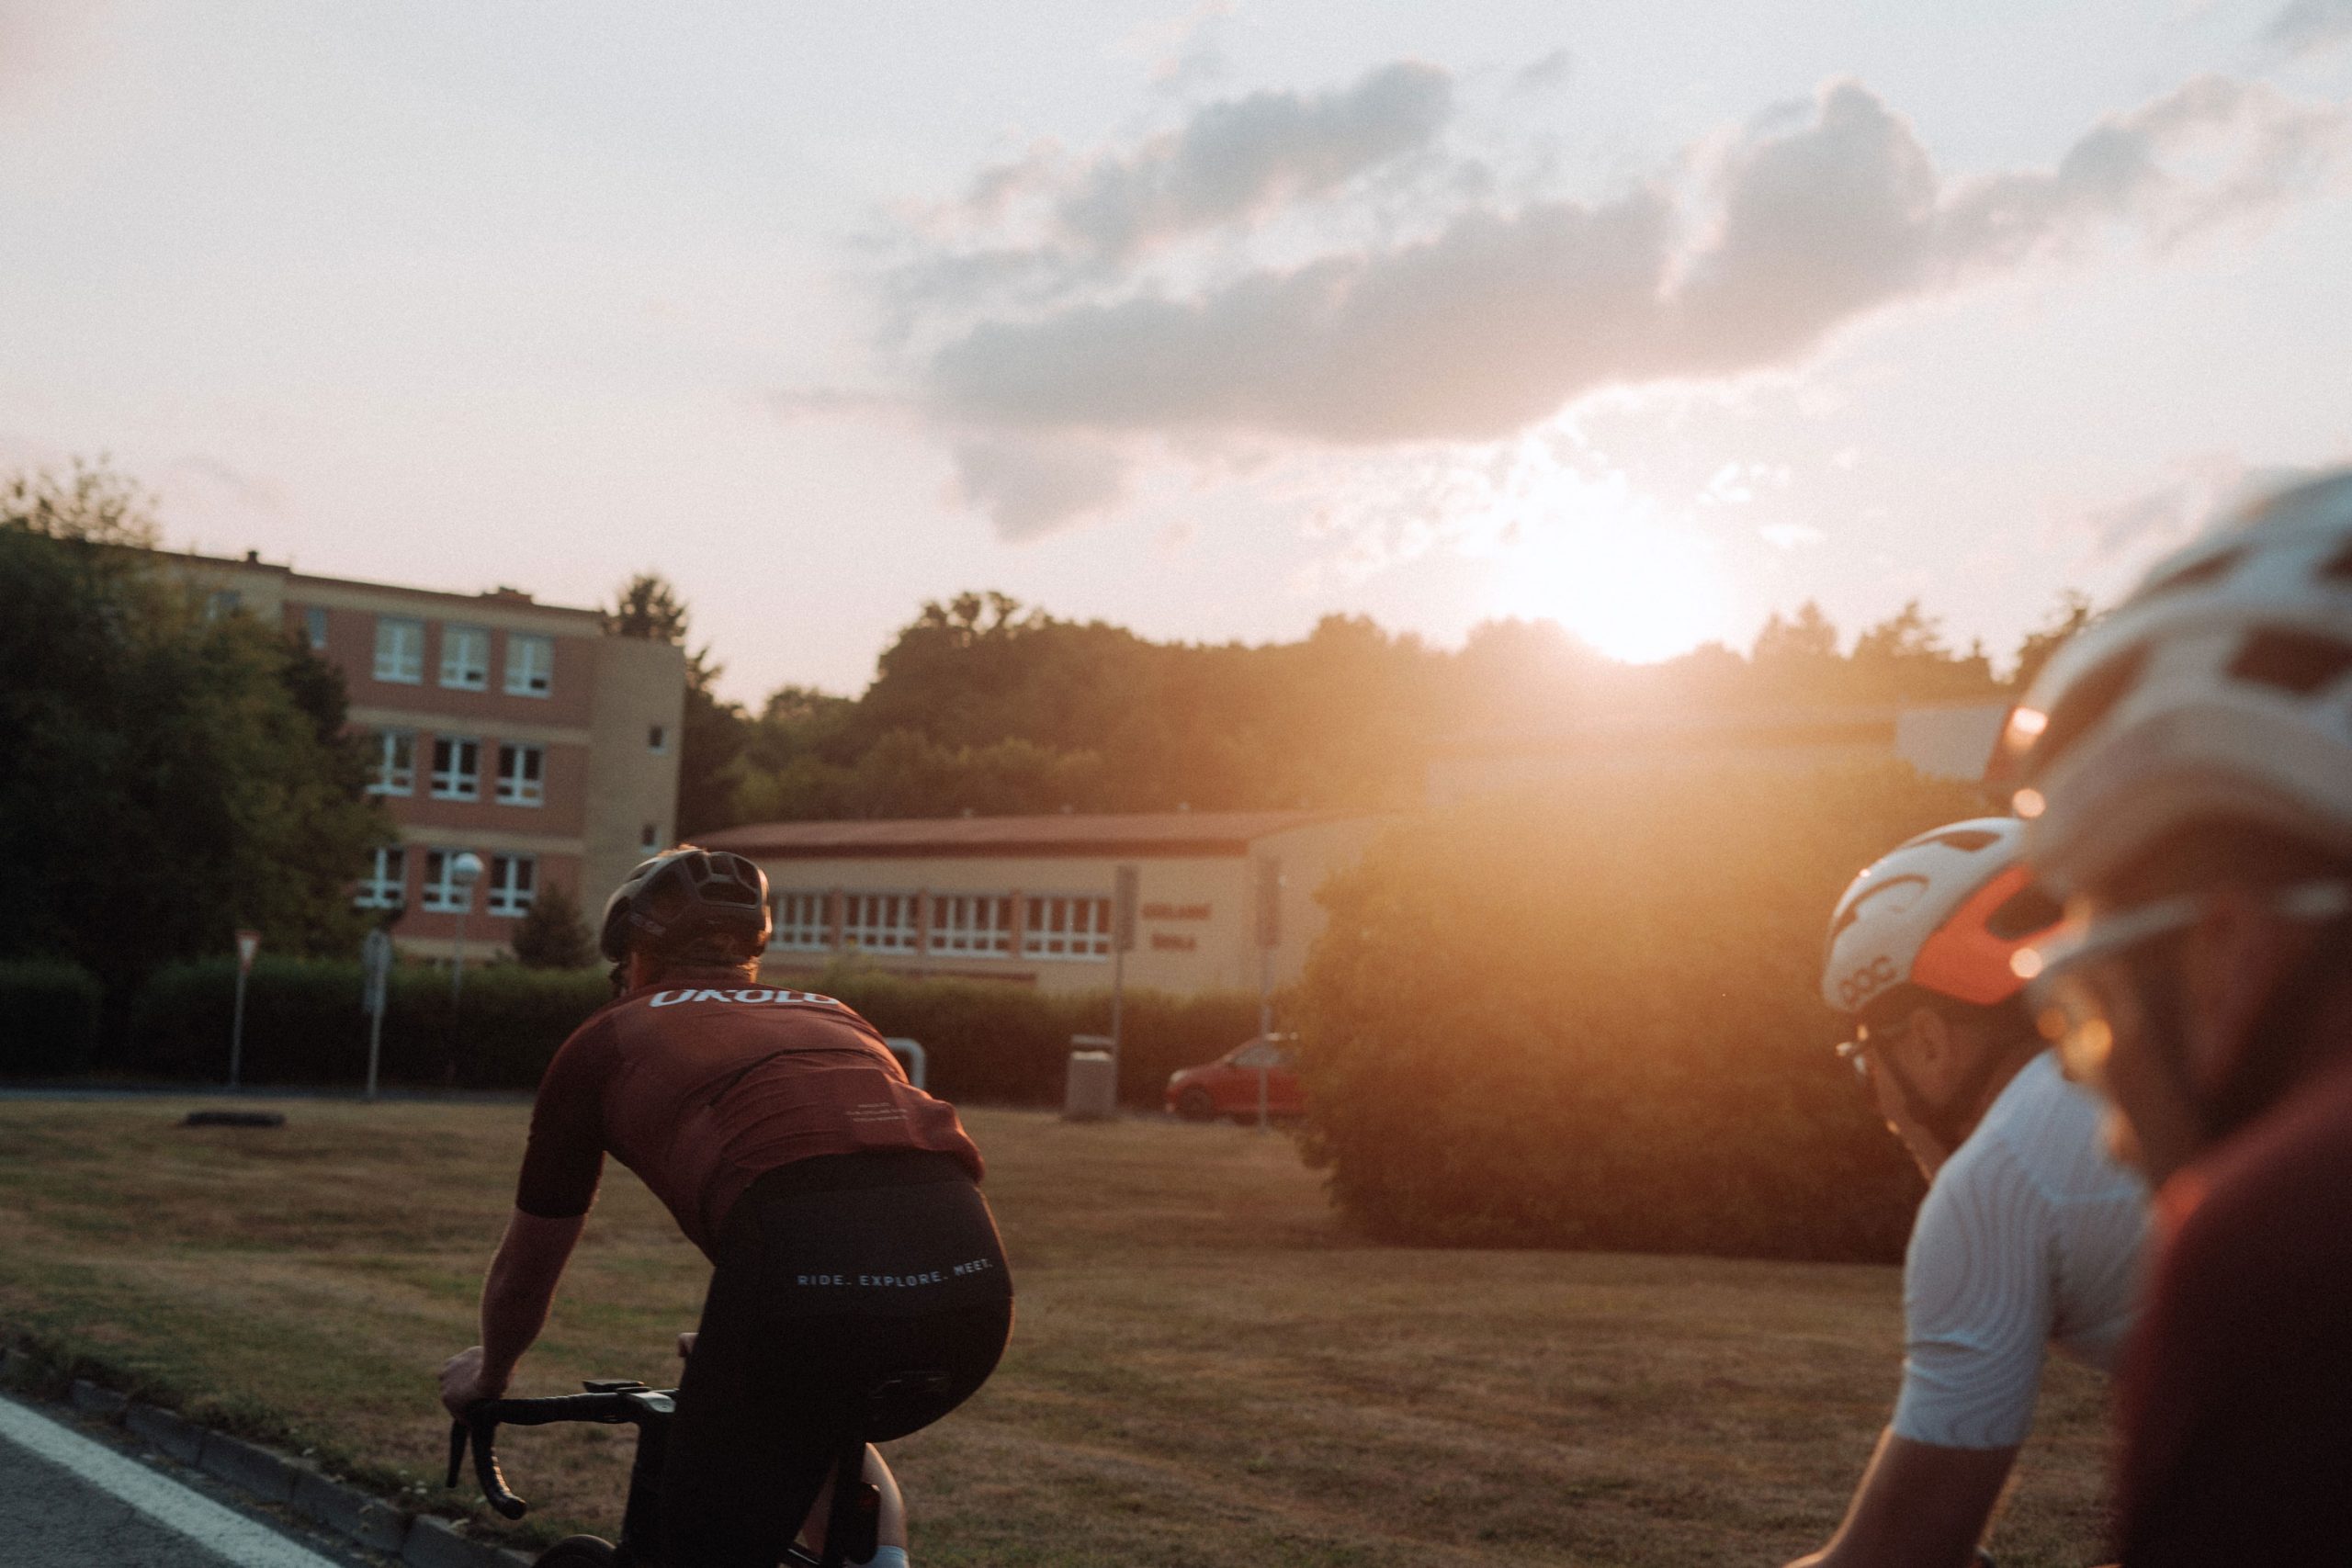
x,y
1919,1504
515,1298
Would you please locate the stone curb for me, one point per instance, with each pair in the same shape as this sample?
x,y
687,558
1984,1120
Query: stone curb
x,y
420,1541
102,1404
179,1438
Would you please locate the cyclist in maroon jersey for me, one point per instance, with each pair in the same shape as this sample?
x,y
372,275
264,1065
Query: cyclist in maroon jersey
x,y
2185,766
839,1206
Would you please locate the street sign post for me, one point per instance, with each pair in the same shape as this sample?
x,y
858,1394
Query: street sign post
x,y
248,946
1270,936
375,972
1126,885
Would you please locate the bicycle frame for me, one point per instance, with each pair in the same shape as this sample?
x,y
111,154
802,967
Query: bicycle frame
x,y
850,1529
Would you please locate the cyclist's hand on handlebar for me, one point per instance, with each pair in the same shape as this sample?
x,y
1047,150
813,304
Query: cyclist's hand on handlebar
x,y
465,1381
686,1345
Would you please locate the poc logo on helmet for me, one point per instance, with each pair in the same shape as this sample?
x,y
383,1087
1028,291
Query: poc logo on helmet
x,y
1865,982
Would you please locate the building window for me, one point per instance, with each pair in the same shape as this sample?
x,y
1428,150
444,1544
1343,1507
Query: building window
x,y
465,658
386,885
975,925
800,923
521,775
530,666
1067,928
400,650
441,890
657,740
878,922
457,768
650,837
395,762
221,602
512,881
314,628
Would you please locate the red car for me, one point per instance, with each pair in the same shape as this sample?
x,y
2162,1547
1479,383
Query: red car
x,y
1229,1085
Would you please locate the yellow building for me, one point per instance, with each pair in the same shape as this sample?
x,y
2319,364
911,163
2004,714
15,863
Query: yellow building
x,y
1029,898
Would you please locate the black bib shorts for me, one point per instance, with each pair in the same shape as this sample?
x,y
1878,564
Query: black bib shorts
x,y
834,1274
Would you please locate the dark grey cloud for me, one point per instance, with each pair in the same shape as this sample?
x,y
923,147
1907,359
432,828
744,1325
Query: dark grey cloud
x,y
1499,318
1240,158
1030,486
2306,26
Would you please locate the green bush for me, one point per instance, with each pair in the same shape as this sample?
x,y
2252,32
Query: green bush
x,y
304,1024
49,1018
1592,1020
1005,1044
985,1040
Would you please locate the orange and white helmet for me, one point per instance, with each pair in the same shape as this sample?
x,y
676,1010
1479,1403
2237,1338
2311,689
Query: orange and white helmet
x,y
1945,911
2220,689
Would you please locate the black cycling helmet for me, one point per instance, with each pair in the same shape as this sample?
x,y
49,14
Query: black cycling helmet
x,y
683,894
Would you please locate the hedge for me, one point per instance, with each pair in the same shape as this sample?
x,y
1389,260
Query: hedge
x,y
985,1041
304,1022
1592,1020
49,1018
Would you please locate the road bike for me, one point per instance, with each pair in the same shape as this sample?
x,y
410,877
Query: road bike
x,y
851,1523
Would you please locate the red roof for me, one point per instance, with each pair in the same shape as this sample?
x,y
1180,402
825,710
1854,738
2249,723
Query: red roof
x,y
1160,833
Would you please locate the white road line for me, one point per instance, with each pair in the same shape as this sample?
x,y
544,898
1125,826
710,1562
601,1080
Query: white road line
x,y
222,1531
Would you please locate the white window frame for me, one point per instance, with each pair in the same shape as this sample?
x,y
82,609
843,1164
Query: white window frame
x,y
465,658
880,923
801,925
971,925
440,892
522,774
222,603
386,885
314,628
530,665
513,881
455,782
400,650
1073,927
395,762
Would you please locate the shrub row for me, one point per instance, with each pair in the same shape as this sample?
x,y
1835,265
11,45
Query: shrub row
x,y
984,1041
1592,1020
49,1018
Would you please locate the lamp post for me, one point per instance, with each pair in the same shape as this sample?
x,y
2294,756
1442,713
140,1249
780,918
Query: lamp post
x,y
465,870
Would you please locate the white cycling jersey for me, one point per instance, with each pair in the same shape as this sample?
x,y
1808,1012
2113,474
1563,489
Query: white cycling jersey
x,y
2029,1236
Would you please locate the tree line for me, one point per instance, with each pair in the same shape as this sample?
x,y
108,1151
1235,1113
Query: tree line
x,y
984,706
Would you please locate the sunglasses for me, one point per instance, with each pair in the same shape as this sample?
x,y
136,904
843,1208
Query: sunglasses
x,y
1852,1052
2072,980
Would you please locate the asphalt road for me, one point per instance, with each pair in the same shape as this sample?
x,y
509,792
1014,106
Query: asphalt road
x,y
68,1500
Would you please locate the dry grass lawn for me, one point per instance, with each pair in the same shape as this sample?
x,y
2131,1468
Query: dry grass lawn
x,y
1207,1369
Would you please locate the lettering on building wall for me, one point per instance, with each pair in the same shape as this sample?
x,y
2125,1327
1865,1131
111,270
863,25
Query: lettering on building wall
x,y
1175,911
1173,941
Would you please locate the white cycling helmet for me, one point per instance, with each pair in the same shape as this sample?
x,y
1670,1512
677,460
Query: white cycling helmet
x,y
1945,912
2220,689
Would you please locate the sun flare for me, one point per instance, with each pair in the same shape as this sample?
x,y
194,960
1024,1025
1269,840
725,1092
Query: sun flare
x,y
1633,588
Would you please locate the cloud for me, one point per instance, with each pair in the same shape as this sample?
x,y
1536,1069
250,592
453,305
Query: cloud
x,y
2197,493
1541,75
1237,159
1813,219
1031,487
2305,27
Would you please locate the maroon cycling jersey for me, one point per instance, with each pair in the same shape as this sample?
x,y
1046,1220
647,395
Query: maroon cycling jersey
x,y
2235,1396
703,1082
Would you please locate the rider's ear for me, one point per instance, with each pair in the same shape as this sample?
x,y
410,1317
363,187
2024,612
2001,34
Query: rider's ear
x,y
1932,1031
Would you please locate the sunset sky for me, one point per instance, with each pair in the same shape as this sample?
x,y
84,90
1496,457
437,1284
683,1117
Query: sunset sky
x,y
1209,321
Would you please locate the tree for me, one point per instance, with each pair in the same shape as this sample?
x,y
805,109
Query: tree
x,y
714,729
2071,614
165,776
551,935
